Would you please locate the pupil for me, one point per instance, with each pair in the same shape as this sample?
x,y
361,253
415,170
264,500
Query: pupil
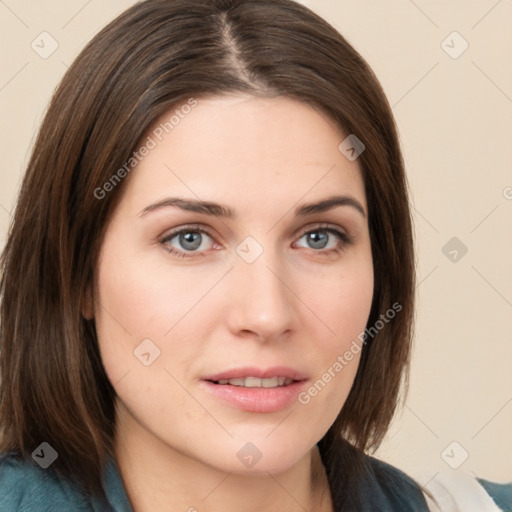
x,y
190,240
317,240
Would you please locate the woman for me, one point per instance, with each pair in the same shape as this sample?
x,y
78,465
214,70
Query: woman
x,y
207,292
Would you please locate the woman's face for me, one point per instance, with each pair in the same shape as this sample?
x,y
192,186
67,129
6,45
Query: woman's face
x,y
235,273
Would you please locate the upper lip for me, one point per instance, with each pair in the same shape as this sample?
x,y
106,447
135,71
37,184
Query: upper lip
x,y
262,373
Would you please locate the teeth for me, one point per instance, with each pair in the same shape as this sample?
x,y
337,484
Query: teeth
x,y
252,382
237,382
270,383
255,382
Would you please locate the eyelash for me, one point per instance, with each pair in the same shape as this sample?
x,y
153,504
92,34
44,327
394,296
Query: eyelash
x,y
343,237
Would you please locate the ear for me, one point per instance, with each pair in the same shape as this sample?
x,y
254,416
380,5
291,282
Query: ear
x,y
88,304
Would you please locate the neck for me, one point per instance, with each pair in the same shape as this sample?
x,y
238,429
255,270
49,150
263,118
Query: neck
x,y
158,478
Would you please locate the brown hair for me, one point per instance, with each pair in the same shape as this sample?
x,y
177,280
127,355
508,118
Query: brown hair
x,y
158,53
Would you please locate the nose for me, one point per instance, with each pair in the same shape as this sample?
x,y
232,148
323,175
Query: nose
x,y
261,304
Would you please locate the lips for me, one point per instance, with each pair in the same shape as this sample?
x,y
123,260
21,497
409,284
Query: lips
x,y
256,382
255,389
252,377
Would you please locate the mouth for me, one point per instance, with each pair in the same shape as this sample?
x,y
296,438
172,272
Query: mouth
x,y
256,382
256,390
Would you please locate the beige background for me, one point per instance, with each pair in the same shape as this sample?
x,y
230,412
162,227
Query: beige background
x,y
454,116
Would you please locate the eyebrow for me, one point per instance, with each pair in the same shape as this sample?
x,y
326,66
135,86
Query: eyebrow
x,y
192,205
218,210
328,204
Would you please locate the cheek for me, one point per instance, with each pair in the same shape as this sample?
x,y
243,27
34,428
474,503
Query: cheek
x,y
138,299
130,296
141,297
343,302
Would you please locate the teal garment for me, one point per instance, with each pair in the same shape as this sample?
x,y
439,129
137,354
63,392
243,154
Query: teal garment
x,y
501,494
385,488
25,487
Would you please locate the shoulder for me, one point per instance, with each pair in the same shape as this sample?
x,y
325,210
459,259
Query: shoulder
x,y
26,487
387,488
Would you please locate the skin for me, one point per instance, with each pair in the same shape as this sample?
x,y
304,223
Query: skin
x,y
295,305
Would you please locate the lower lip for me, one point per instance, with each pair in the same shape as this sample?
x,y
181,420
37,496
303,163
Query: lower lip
x,y
256,399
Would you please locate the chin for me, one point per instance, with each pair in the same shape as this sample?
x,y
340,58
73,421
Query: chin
x,y
262,454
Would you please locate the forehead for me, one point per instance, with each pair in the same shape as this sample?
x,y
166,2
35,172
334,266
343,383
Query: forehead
x,y
245,150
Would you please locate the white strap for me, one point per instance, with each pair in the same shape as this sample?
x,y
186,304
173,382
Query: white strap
x,y
458,492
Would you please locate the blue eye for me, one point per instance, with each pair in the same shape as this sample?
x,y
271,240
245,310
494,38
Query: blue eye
x,y
187,240
317,239
194,241
324,240
190,240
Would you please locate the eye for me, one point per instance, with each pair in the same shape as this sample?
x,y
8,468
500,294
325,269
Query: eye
x,y
188,240
323,240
